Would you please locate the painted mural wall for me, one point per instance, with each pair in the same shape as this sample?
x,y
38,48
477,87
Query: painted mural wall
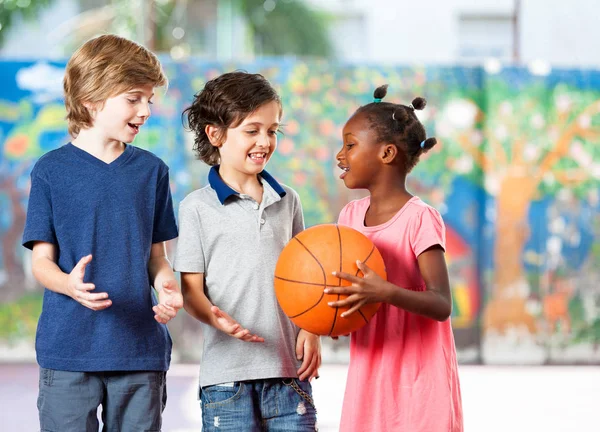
x,y
516,178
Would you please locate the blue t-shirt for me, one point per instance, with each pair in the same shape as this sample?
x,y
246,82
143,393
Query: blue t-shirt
x,y
115,212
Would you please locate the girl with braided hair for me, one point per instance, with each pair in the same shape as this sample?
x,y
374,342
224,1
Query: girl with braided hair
x,y
403,374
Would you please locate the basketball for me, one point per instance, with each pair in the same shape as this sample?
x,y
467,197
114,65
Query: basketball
x,y
304,269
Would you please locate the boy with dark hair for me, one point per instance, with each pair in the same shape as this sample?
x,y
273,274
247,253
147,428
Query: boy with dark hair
x,y
256,365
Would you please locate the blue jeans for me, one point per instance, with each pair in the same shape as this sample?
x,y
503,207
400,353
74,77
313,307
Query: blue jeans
x,y
282,404
131,401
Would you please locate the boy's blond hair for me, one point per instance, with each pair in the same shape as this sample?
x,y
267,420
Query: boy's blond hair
x,y
104,67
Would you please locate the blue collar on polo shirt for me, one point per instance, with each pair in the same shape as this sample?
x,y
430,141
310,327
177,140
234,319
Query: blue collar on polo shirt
x,y
224,191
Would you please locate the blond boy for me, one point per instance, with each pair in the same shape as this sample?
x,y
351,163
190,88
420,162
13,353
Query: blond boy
x,y
99,214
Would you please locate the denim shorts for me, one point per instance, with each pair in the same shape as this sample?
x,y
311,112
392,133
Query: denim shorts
x,y
282,404
131,401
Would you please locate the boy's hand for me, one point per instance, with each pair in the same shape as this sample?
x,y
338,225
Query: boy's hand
x,y
79,291
368,289
170,301
308,349
226,324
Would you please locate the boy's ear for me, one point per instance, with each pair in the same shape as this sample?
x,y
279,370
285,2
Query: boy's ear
x,y
214,135
91,107
389,153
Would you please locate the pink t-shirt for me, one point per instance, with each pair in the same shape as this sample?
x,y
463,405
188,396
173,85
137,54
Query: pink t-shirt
x,y
403,374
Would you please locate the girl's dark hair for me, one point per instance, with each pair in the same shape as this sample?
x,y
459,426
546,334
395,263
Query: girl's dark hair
x,y
225,102
399,125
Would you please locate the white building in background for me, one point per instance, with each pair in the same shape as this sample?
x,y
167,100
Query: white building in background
x,y
559,32
562,33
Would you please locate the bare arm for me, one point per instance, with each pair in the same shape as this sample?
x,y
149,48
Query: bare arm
x,y
195,301
159,267
199,306
435,302
47,273
164,281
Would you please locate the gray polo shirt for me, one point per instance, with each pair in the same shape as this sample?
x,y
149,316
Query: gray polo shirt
x,y
236,242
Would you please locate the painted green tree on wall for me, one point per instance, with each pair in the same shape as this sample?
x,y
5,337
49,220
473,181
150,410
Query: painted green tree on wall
x,y
523,142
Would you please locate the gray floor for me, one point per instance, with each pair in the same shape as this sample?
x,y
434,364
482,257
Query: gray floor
x,y
496,399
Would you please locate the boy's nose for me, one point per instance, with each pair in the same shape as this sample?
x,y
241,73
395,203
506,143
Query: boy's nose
x,y
144,111
263,141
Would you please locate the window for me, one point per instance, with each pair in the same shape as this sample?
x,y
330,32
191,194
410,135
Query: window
x,y
483,36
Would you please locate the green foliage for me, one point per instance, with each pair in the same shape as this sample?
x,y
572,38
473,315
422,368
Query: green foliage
x,y
589,334
291,27
18,320
12,10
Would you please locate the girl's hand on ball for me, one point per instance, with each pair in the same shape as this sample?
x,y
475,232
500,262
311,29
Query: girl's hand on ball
x,y
226,324
370,288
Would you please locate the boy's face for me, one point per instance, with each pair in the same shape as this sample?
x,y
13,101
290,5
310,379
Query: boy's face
x,y
249,146
122,115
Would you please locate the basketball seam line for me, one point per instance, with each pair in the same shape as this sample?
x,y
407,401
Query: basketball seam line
x,y
307,283
324,284
337,309
356,274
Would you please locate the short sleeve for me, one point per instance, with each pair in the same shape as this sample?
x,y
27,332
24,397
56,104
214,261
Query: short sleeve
x,y
298,221
189,255
39,224
428,230
165,227
343,216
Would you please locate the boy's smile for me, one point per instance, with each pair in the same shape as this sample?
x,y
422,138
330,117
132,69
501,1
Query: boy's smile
x,y
122,116
135,127
258,158
248,147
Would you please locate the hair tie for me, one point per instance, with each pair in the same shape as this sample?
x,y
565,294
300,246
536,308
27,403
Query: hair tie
x,y
411,107
423,143
376,100
394,115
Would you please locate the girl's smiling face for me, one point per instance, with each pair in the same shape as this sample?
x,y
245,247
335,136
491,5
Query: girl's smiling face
x,y
359,157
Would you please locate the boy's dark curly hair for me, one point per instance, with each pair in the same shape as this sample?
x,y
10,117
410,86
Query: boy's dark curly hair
x,y
225,102
399,125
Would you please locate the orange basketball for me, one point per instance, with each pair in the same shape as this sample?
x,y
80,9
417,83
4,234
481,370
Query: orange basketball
x,y
305,268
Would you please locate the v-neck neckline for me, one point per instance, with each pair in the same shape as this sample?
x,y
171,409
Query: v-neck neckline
x,y
122,158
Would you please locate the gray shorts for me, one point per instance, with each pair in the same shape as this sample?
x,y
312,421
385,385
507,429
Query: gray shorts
x,y
131,401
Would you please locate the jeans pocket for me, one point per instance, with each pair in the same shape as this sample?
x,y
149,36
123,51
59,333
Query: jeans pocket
x,y
218,395
46,377
159,380
305,385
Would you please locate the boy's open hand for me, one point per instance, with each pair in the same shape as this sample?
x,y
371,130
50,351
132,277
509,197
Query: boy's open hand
x,y
308,349
226,324
79,291
170,301
368,289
